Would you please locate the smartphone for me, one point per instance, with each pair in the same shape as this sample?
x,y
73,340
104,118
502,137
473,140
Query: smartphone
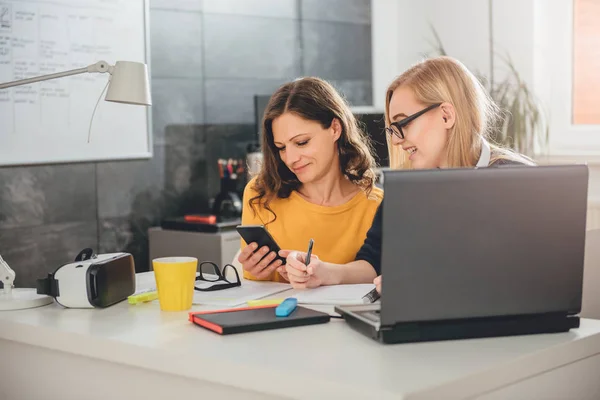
x,y
262,237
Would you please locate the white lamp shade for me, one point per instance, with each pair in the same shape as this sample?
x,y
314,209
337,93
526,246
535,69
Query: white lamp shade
x,y
129,84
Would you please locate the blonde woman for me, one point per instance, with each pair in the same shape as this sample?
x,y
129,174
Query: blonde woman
x,y
437,115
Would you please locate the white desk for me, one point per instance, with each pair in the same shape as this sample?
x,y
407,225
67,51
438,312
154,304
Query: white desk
x,y
139,352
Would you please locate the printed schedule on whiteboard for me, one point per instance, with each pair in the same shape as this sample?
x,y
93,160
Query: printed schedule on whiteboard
x,y
49,121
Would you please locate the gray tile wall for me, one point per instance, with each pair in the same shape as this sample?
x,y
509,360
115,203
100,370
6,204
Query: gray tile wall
x,y
209,58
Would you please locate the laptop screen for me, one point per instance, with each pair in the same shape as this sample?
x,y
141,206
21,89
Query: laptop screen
x,y
466,243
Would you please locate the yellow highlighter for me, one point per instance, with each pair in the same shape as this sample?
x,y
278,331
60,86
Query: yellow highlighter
x,y
264,302
143,296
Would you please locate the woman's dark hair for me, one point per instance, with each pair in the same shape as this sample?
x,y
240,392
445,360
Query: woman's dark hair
x,y
316,100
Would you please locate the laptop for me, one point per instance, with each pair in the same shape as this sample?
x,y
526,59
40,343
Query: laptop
x,y
478,252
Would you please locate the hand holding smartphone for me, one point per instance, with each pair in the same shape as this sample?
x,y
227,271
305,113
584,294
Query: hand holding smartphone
x,y
259,235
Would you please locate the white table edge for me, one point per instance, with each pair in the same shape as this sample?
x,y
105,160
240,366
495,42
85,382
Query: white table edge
x,y
249,378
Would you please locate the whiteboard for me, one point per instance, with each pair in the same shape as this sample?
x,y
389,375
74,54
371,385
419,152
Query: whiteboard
x,y
48,122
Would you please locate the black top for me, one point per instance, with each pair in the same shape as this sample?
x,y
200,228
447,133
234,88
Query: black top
x,y
371,248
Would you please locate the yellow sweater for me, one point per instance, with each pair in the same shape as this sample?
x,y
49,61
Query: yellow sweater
x,y
338,232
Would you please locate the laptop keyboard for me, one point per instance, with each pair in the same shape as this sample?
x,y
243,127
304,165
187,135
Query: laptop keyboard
x,y
371,315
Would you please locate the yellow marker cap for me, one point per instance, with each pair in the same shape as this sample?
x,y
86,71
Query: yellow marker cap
x,y
264,302
142,297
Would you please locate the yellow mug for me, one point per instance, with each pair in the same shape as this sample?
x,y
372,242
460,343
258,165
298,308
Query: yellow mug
x,y
175,278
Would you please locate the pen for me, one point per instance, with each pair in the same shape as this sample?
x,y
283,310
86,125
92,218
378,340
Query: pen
x,y
310,246
371,297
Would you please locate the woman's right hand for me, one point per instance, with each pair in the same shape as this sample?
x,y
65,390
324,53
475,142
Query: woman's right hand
x,y
377,282
300,275
252,261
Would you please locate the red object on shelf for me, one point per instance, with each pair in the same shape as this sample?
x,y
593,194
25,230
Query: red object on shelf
x,y
203,219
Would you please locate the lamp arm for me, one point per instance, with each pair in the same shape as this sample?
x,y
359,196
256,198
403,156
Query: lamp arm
x,y
100,66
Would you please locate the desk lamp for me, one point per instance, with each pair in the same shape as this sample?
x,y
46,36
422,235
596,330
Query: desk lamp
x,y
128,84
17,298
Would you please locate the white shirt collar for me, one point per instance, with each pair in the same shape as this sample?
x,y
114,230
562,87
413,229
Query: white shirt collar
x,y
486,154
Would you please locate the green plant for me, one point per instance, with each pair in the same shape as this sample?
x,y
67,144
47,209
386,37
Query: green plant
x,y
523,125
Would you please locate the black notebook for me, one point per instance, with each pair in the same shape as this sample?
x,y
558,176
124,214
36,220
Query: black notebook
x,y
250,319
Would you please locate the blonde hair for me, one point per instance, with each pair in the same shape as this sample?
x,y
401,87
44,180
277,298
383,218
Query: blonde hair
x,y
445,79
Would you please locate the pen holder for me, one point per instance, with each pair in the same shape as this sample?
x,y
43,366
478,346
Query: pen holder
x,y
227,202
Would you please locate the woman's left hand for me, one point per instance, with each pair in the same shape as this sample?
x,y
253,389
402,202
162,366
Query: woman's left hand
x,y
377,282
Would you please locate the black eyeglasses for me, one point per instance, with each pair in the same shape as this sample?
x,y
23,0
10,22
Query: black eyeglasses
x,y
396,127
213,279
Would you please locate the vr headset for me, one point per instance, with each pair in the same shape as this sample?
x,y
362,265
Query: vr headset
x,y
92,281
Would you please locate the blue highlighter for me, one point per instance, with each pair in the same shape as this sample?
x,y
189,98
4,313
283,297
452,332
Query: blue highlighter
x,y
286,307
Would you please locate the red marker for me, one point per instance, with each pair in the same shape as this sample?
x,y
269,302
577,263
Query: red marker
x,y
203,219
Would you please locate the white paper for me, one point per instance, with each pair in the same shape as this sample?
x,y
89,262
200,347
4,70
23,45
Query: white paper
x,y
145,281
336,295
231,297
